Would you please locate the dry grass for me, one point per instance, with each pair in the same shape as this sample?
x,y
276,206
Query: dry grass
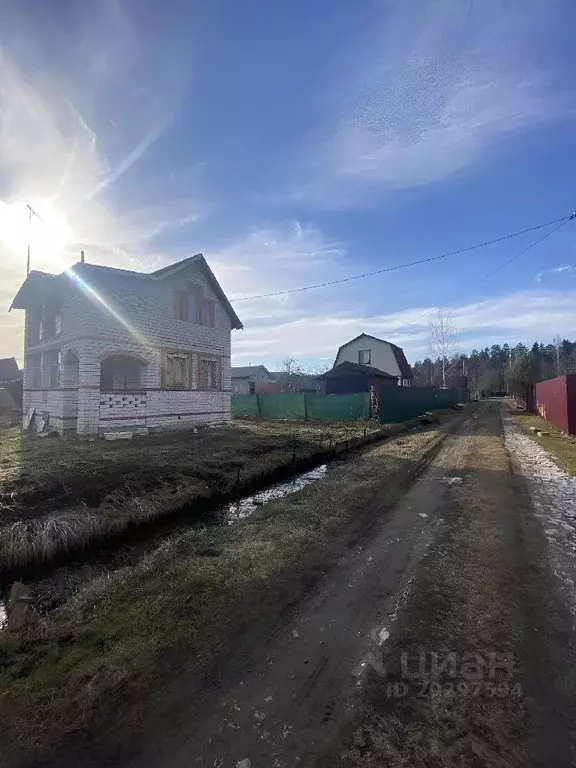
x,y
58,496
562,448
125,635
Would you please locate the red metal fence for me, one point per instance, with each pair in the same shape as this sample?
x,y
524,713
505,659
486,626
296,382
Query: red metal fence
x,y
556,402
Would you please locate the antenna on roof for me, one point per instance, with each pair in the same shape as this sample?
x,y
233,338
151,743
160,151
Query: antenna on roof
x,y
31,212
81,257
29,235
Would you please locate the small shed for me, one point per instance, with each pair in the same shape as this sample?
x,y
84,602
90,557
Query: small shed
x,y
348,378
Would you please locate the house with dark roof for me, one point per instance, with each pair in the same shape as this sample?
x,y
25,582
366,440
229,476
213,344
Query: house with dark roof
x,y
377,353
347,378
251,379
112,350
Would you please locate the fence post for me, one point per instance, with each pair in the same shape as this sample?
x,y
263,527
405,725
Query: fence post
x,y
305,407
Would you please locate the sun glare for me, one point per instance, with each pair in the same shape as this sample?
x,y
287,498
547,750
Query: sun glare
x,y
47,233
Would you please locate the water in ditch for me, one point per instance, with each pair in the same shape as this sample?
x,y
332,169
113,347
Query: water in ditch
x,y
248,505
55,588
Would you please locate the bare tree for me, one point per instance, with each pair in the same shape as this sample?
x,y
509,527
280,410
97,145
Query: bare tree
x,y
557,341
291,374
442,339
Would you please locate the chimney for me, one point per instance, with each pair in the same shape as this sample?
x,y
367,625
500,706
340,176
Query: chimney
x,y
81,257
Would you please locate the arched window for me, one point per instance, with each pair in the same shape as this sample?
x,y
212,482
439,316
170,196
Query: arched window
x,y
120,372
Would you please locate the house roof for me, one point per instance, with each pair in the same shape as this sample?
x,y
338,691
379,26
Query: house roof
x,y
8,369
302,377
247,371
400,357
35,285
348,367
37,282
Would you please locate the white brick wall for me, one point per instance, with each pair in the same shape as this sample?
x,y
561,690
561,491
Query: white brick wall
x,y
138,320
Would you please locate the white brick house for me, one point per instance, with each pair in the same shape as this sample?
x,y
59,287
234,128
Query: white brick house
x,y
112,350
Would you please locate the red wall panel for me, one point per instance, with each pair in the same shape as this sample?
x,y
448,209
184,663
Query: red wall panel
x,y
556,402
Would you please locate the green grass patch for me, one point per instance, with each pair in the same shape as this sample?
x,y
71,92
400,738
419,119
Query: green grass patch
x,y
562,448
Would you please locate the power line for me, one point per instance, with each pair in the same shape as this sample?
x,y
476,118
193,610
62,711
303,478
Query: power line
x,y
492,272
469,248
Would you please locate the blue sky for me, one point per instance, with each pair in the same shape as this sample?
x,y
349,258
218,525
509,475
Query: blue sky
x,y
294,143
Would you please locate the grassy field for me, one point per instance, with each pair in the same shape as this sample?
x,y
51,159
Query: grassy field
x,y
561,448
129,633
57,494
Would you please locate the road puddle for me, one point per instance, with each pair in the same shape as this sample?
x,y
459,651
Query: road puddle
x,y
245,507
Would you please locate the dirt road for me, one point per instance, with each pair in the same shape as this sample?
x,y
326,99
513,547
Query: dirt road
x,y
457,570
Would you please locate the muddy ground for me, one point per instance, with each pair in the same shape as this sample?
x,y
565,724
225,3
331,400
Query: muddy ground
x,y
437,638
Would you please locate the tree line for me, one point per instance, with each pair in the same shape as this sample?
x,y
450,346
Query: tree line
x,y
499,368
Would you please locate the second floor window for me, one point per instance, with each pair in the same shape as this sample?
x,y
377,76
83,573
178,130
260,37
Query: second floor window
x,y
181,305
365,357
191,306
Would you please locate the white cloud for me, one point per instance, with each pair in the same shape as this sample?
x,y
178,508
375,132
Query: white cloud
x,y
80,106
436,83
274,259
522,316
571,268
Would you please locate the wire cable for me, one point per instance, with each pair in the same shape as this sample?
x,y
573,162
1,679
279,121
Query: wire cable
x,y
396,267
489,274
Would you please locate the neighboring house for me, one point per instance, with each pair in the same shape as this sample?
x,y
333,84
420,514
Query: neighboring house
x,y
114,350
9,412
347,378
250,379
298,382
11,379
379,354
9,370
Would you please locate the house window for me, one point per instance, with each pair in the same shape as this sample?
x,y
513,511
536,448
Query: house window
x,y
51,325
208,373
178,370
51,370
33,327
33,372
365,357
207,313
120,373
181,306
191,306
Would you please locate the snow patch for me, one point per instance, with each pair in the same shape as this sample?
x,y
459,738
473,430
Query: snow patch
x,y
553,494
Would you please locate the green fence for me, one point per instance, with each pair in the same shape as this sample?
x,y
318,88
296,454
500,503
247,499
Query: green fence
x,y
396,404
338,407
402,403
282,406
302,406
245,405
